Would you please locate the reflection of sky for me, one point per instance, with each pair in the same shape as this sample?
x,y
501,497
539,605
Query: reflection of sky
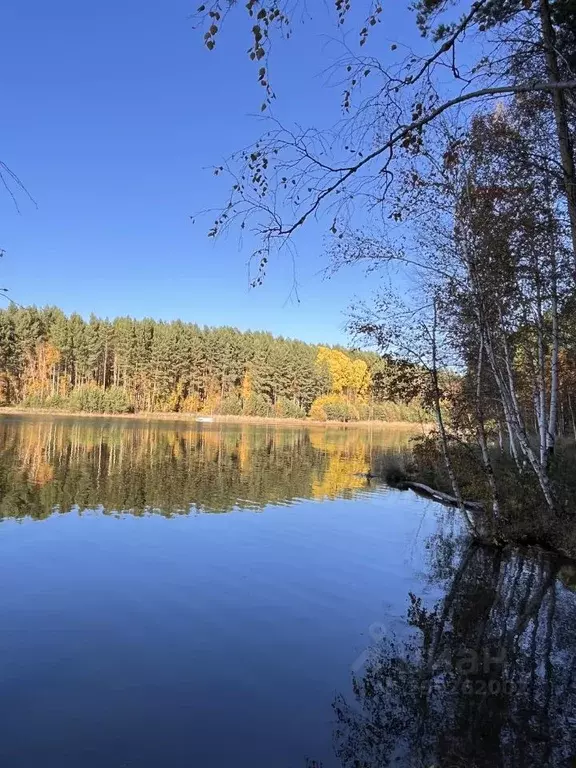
x,y
214,639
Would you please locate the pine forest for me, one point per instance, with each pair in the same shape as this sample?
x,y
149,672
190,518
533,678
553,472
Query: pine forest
x,y
51,360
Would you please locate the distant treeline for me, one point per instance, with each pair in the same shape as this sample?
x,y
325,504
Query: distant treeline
x,y
49,359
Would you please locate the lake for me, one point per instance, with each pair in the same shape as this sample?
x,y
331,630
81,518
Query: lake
x,y
182,594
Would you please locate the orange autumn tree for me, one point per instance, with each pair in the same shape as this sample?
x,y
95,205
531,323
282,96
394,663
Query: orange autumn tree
x,y
41,374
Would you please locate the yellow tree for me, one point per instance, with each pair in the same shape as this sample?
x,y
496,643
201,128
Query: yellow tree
x,y
246,390
359,378
338,366
350,378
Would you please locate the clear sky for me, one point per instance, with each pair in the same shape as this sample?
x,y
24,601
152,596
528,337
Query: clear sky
x,y
111,114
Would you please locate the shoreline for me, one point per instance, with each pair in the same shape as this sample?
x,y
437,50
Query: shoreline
x,y
216,419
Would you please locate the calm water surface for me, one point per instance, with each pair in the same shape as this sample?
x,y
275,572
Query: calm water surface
x,y
207,595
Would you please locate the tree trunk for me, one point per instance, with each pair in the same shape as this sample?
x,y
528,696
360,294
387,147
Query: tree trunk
x,y
515,422
488,469
500,436
572,418
560,116
541,412
105,365
523,440
554,383
442,427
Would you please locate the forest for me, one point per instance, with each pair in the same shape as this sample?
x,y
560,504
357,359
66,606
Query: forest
x,y
51,360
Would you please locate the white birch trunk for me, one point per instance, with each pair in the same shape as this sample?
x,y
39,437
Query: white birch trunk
x,y
554,376
488,469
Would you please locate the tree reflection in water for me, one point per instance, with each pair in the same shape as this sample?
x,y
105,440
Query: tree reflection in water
x,y
49,464
485,678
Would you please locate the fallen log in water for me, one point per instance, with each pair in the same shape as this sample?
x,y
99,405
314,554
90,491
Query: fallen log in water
x,y
486,536
439,496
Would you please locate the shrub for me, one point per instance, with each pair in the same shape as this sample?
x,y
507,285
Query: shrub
x,y
116,400
317,411
288,409
212,403
37,401
392,411
231,406
91,398
190,404
333,408
257,405
88,398
32,401
54,401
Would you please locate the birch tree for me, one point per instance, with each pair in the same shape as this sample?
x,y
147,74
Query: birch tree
x,y
495,253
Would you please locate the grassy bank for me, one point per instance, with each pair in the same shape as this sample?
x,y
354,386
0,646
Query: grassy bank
x,y
218,419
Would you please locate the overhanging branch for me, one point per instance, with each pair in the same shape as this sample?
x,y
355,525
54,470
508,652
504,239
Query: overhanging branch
x,y
405,131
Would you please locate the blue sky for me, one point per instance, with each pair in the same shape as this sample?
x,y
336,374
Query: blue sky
x,y
112,113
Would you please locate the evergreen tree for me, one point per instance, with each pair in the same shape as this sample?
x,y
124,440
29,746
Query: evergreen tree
x,y
144,365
